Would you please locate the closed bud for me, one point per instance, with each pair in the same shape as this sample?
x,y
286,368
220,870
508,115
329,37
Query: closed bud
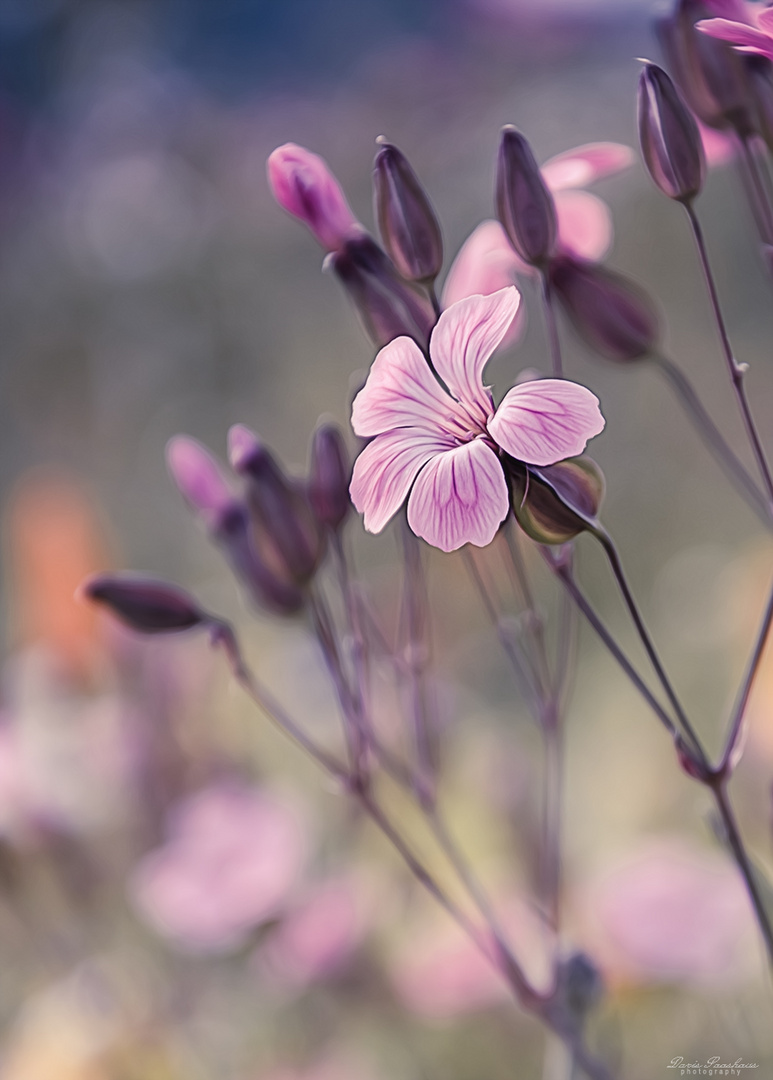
x,y
612,314
524,204
670,141
710,73
303,185
329,476
144,604
389,306
200,479
286,534
558,502
407,223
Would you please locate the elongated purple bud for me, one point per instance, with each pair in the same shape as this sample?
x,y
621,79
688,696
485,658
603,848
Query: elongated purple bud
x,y
524,204
202,482
144,604
670,140
408,225
389,306
708,71
286,532
329,476
611,313
303,185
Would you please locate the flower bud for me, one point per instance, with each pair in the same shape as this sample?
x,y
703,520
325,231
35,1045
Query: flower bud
x,y
611,313
329,476
287,536
709,72
555,503
304,186
144,604
524,204
201,480
407,223
389,306
670,141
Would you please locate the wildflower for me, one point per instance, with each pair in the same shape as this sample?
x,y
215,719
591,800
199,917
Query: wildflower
x,y
440,447
304,186
750,30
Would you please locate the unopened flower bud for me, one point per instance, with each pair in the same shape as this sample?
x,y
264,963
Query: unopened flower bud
x,y
556,503
611,313
389,306
144,604
524,204
709,72
287,535
303,185
329,476
670,140
407,223
202,482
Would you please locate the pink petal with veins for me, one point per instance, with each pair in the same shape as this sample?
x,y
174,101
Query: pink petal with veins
x,y
545,421
463,341
738,34
401,391
460,497
584,224
586,164
386,468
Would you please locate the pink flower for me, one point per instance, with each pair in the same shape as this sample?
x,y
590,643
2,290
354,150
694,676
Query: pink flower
x,y
442,446
233,855
303,185
749,29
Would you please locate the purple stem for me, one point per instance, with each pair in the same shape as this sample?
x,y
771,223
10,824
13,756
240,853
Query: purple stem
x,y
552,328
736,370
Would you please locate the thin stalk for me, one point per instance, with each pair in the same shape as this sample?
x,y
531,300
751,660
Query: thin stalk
x,y
756,191
552,328
713,439
649,647
566,577
517,570
736,370
734,738
223,635
727,814
552,811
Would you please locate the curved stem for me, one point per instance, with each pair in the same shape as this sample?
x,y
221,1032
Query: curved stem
x,y
736,370
713,438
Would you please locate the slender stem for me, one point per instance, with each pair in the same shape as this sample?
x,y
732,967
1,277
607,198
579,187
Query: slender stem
x,y
566,577
734,738
756,191
552,328
223,635
736,370
553,742
713,439
649,647
727,814
517,569
433,297
416,621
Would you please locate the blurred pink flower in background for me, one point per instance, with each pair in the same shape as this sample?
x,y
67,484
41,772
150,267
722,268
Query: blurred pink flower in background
x,y
747,26
670,914
486,261
233,854
318,936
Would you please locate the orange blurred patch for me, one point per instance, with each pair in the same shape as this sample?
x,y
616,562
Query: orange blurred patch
x,y
54,540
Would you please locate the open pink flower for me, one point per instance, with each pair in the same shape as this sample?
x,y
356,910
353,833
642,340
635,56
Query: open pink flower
x,y
442,446
748,28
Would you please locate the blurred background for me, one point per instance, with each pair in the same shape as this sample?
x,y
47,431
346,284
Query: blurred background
x,y
182,896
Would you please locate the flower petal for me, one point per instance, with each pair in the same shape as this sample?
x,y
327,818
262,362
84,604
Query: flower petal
x,y
584,225
401,391
385,470
765,20
460,497
737,34
585,164
545,421
466,335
